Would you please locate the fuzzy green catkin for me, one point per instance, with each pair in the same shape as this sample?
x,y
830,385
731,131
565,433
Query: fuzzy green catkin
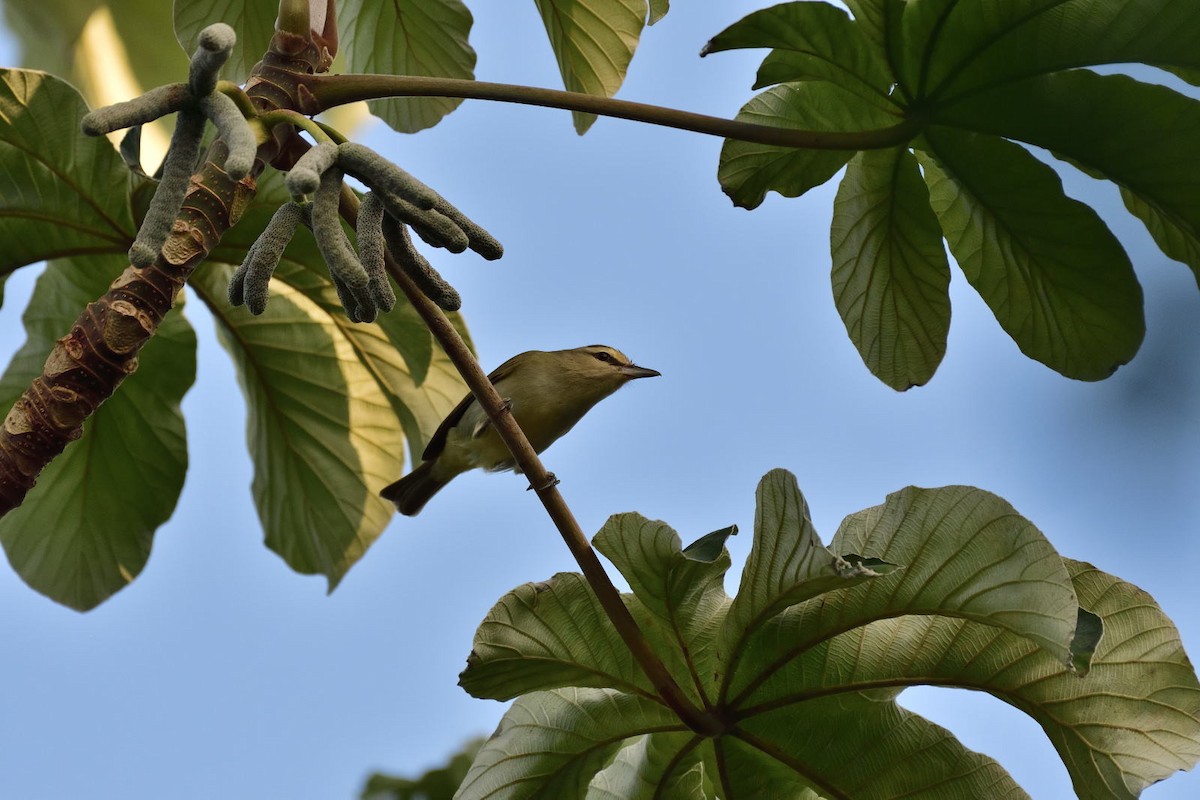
x,y
382,175
152,105
233,128
371,250
335,248
213,47
168,197
478,239
252,280
430,225
427,279
305,175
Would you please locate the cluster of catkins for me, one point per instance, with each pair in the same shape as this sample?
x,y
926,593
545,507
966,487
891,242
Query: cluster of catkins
x,y
396,200
195,101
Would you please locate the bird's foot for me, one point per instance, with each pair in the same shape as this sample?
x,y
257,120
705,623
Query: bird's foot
x,y
551,480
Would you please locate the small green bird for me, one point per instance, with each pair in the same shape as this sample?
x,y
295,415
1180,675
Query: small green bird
x,y
548,391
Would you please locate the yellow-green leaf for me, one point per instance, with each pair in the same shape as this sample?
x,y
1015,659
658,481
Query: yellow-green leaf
x,y
408,37
594,41
891,279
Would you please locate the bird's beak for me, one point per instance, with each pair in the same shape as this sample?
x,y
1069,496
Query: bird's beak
x,y
632,371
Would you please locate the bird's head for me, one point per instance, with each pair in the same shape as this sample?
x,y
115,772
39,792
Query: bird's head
x,y
605,364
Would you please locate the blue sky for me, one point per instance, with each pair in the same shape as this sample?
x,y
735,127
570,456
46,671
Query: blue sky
x,y
219,673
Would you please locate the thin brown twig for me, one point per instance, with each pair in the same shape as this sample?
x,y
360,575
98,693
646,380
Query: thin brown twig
x,y
547,490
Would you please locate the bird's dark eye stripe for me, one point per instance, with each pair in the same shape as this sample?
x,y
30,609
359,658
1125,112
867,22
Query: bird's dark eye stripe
x,y
606,357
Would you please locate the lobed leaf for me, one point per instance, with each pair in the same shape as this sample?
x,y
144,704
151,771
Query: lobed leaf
x,y
891,279
1056,278
871,17
85,530
594,41
408,37
808,678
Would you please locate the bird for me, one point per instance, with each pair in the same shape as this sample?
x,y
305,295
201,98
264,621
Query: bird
x,y
547,392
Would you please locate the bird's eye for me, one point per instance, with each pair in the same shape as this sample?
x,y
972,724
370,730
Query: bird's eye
x,y
605,357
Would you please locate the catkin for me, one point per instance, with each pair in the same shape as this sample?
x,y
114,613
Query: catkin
x,y
234,129
427,279
478,239
344,266
168,197
251,282
214,45
156,103
305,175
382,175
371,250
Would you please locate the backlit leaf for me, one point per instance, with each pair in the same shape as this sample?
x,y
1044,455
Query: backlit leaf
x,y
85,530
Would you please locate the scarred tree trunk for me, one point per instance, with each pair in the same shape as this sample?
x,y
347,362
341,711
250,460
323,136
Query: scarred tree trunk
x,y
87,365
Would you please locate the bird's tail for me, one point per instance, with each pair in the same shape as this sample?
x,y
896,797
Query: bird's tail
x,y
412,492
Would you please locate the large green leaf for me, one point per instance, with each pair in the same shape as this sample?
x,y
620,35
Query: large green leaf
x,y
322,434
549,634
872,18
811,41
551,744
681,589
85,529
747,171
852,745
806,698
787,565
984,43
968,555
891,279
408,37
1056,278
61,193
1139,672
1176,240
1148,146
330,400
594,41
253,20
397,349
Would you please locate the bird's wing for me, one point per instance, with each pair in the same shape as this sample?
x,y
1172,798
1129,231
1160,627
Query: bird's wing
x,y
437,442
